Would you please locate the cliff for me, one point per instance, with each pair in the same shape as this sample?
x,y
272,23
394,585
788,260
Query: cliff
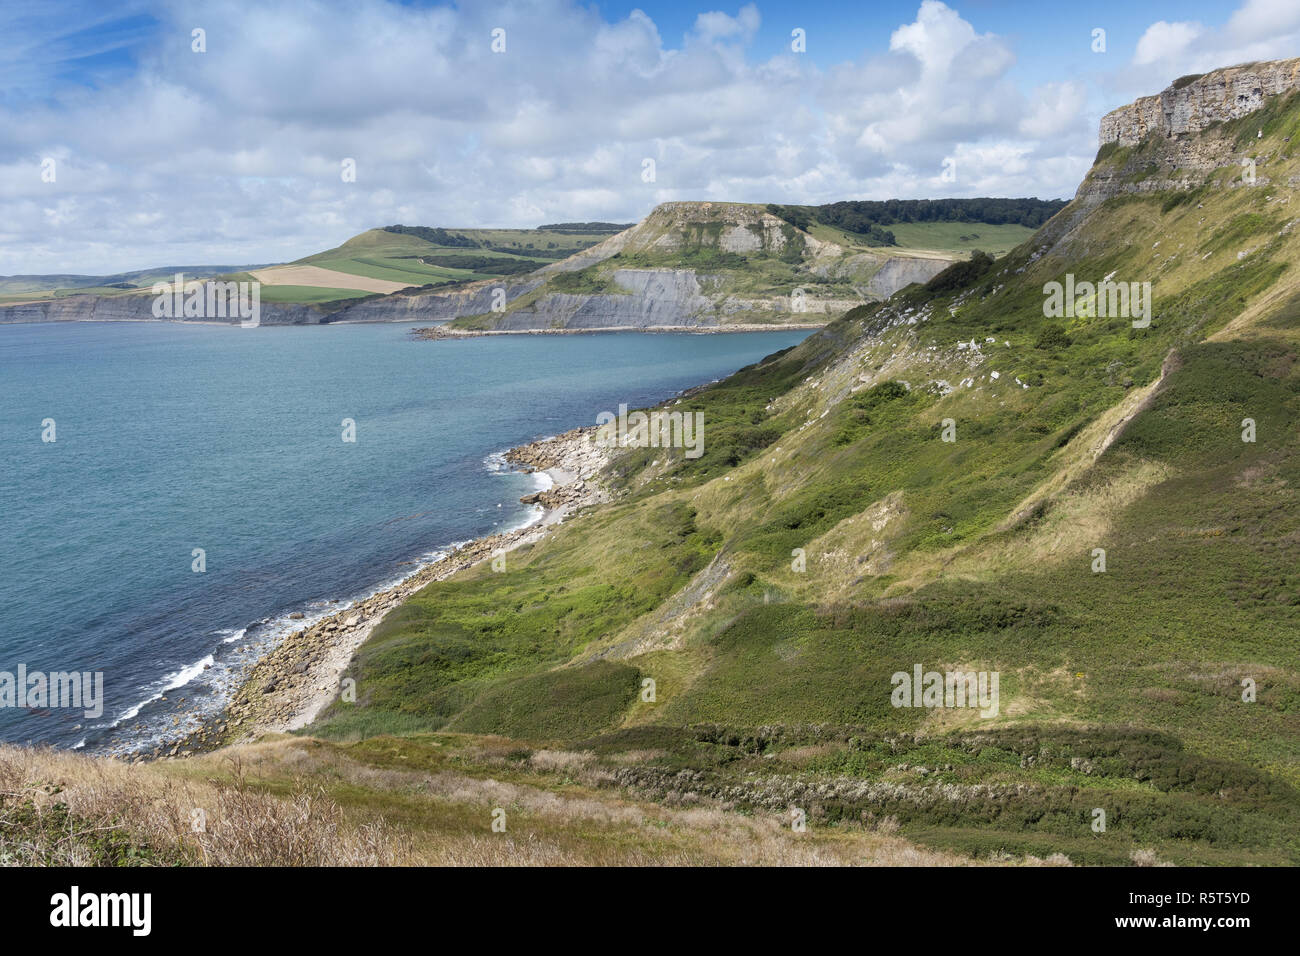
x,y
1193,103
1193,136
1071,442
686,264
704,264
137,308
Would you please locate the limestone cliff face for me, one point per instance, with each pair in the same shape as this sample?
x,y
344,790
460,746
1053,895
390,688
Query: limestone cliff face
x,y
1189,106
1171,142
475,299
135,308
651,296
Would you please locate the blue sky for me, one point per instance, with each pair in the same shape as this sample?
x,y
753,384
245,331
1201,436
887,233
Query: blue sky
x,y
116,34
1039,28
164,155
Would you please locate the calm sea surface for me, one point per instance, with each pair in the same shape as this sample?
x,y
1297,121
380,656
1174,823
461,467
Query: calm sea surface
x,y
171,438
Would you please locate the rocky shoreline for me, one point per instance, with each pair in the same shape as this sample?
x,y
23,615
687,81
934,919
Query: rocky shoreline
x,y
434,332
291,684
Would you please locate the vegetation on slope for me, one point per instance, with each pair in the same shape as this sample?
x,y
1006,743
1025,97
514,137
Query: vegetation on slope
x,y
870,219
1113,529
1121,689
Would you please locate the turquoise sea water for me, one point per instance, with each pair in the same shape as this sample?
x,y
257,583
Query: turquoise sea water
x,y
171,438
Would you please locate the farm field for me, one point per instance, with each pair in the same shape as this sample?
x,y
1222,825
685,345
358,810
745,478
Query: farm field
x,y
942,237
325,278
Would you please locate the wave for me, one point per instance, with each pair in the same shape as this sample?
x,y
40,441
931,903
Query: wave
x,y
222,673
173,681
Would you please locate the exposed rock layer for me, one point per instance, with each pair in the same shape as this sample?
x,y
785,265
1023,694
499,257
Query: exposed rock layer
x,y
637,297
1189,106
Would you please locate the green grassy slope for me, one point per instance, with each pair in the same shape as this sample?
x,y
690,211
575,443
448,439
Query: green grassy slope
x,y
947,237
1121,690
470,255
996,239
741,261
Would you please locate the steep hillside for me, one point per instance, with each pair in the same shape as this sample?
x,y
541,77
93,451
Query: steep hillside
x,y
699,264
1098,508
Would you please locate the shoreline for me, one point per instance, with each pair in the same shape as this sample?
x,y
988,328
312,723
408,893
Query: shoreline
x,y
436,332
433,332
293,682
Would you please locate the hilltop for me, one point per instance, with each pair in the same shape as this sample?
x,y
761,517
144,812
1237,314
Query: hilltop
x,y
715,264
1099,508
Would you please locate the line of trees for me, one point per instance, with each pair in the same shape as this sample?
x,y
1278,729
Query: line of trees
x,y
492,264
590,227
439,237
868,218
994,211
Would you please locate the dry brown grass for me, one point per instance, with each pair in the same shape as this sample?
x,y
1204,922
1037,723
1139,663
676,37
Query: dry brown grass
x,y
225,823
567,812
300,802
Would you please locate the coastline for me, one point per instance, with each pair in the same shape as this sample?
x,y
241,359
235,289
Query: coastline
x,y
291,684
435,332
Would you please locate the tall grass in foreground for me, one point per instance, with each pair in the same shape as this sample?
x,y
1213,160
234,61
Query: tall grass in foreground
x,y
303,802
59,809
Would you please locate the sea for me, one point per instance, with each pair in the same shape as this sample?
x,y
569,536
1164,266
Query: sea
x,y
171,493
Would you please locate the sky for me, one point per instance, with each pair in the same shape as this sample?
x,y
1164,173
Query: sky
x,y
128,141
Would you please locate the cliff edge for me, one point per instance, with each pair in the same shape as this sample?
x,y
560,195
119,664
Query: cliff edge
x,y
1193,103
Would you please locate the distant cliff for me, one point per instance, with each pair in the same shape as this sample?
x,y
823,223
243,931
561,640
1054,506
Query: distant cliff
x,y
137,308
703,264
686,264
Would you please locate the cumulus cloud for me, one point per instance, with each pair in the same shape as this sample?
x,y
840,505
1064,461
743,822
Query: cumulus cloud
x,y
1257,30
234,155
1163,41
1054,110
715,25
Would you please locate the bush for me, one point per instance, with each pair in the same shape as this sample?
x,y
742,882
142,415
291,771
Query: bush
x,y
961,274
1053,338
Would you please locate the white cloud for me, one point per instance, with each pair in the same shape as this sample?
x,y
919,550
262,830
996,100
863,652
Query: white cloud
x,y
1263,20
1164,41
936,37
714,26
233,156
1053,110
1257,30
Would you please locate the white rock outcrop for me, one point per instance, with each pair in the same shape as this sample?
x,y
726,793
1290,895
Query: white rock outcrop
x,y
1193,103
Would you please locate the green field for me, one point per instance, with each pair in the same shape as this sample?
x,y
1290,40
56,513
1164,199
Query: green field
x,y
373,243
948,237
308,295
996,240
397,257
528,244
410,271
104,291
